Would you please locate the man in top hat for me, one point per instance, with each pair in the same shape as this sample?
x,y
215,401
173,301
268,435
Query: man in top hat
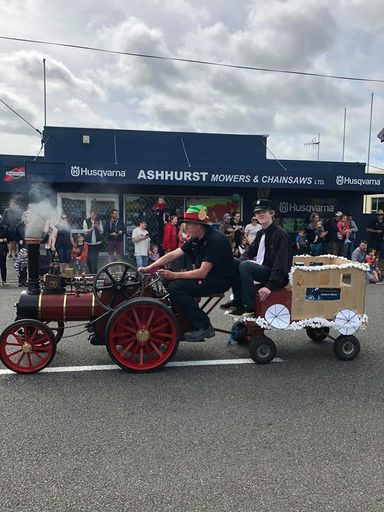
x,y
214,271
268,261
376,231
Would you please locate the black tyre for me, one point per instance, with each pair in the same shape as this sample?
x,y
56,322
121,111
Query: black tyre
x,y
262,349
317,334
346,348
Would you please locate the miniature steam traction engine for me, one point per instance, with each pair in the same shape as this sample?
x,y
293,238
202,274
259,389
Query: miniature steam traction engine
x,y
132,315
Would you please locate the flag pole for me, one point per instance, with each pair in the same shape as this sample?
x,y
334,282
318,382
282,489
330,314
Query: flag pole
x,y
370,133
345,124
45,94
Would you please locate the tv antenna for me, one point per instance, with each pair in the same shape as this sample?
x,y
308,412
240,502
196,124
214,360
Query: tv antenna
x,y
315,142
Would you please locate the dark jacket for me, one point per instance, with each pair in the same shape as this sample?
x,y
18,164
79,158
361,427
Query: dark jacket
x,y
98,234
112,226
278,255
20,231
3,235
11,217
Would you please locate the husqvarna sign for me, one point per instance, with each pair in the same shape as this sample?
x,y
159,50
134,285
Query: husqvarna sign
x,y
320,178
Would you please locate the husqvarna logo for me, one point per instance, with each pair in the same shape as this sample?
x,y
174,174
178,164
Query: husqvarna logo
x,y
339,180
283,207
75,170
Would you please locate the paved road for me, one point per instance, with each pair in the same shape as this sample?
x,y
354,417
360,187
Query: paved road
x,y
303,435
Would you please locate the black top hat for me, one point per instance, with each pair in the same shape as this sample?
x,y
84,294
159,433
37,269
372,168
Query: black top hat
x,y
263,204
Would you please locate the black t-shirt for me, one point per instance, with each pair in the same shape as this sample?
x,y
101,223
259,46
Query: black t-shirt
x,y
375,224
215,249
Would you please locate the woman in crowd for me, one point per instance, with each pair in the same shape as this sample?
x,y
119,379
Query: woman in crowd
x,y
94,241
12,216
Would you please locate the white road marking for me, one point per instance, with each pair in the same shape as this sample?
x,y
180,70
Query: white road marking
x,y
103,367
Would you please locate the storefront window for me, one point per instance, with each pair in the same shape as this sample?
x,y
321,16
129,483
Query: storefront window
x,y
78,206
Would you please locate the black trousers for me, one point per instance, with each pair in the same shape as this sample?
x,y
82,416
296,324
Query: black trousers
x,y
182,292
3,266
93,258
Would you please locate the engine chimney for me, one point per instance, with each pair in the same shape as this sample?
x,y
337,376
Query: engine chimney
x,y
33,246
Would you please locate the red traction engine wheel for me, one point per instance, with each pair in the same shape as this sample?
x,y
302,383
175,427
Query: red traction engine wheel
x,y
27,346
142,335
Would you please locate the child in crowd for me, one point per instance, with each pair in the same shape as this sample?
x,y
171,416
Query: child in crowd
x,y
240,249
183,235
302,243
374,271
154,254
21,266
343,230
79,255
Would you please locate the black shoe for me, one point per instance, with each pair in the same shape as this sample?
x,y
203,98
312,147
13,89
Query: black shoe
x,y
230,304
242,311
200,334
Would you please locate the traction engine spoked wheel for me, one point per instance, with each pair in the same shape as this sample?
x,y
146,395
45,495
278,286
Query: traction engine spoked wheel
x,y
317,334
116,283
142,335
57,328
346,348
262,349
27,346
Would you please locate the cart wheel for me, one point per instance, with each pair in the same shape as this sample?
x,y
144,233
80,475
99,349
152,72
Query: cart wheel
x,y
239,333
278,316
262,349
57,328
346,348
27,346
142,335
317,334
115,283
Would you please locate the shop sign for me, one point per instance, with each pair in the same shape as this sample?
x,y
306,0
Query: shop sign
x,y
319,178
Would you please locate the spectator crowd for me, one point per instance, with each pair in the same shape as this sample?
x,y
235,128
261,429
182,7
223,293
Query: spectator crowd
x,y
337,235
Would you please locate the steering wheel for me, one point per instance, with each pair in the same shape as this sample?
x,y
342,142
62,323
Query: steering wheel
x,y
116,283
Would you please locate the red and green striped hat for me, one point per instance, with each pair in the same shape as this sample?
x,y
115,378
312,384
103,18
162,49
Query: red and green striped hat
x,y
197,213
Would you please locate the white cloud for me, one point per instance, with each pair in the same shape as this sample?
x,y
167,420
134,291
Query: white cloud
x,y
105,90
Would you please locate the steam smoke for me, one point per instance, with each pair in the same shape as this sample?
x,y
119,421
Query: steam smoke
x,y
40,209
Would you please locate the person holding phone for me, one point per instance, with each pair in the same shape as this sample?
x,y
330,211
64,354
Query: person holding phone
x,y
141,239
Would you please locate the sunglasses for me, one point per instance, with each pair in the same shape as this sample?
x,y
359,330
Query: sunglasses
x,y
254,219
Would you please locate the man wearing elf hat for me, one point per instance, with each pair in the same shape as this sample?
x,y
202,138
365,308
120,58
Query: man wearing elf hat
x,y
214,271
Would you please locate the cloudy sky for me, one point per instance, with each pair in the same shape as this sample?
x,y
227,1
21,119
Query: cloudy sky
x,y
93,89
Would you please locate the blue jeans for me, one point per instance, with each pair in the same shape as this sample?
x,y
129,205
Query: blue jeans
x,y
141,261
243,287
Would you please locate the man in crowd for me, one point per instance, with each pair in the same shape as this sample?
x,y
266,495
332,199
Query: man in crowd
x,y
251,229
269,260
360,252
140,237
211,254
376,231
114,232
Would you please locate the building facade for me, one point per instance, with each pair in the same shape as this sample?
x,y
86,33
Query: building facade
x,y
130,170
